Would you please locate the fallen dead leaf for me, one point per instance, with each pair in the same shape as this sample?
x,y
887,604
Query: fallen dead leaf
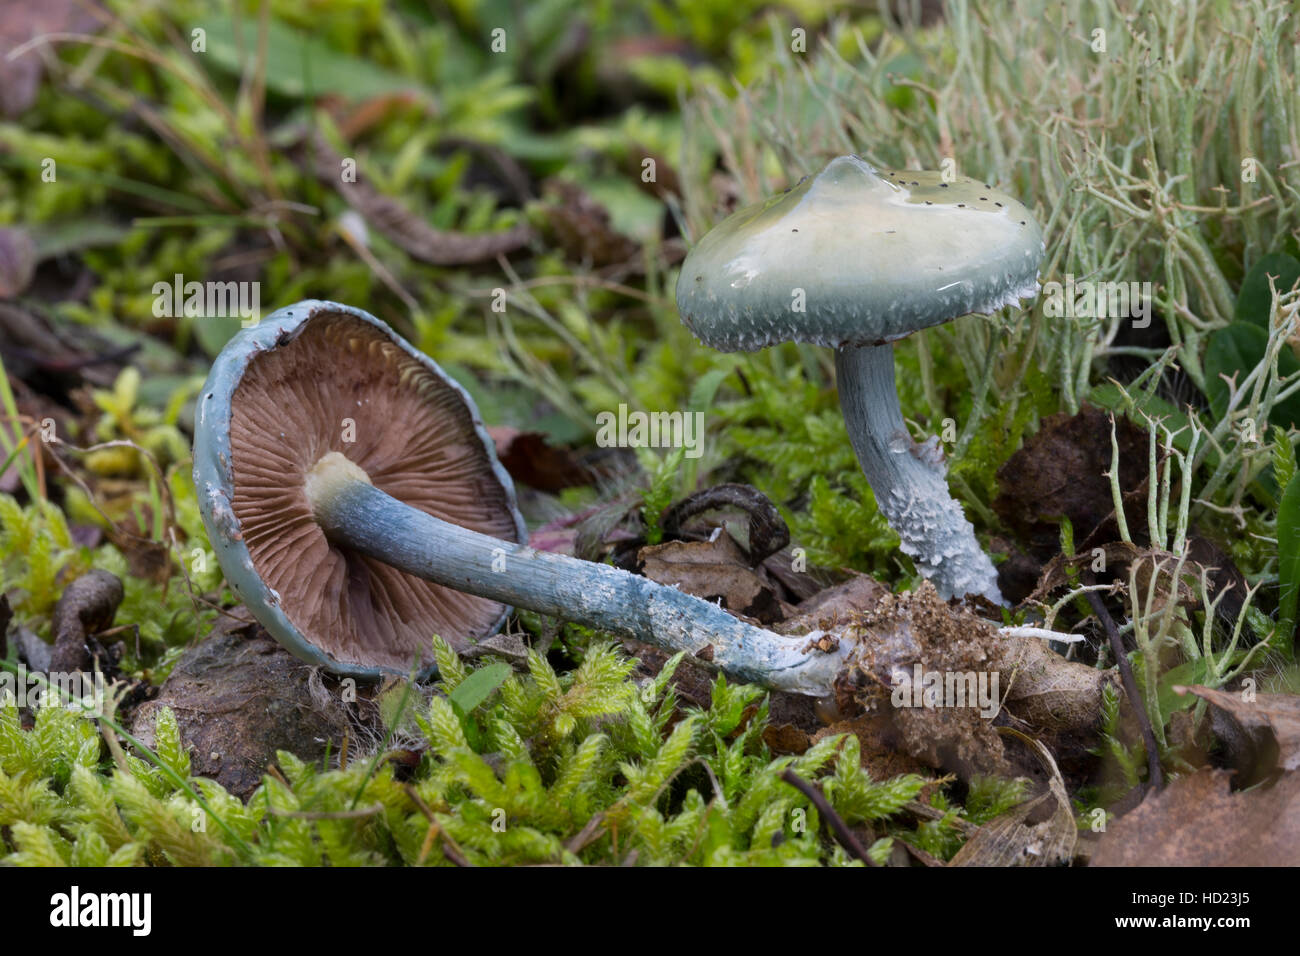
x,y
533,461
1039,832
1049,693
1262,734
716,570
405,228
786,739
835,605
1199,821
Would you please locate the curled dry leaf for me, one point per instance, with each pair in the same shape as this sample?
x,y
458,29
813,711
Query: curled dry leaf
x,y
717,570
767,530
835,605
1262,733
1050,694
1039,832
1199,821
532,460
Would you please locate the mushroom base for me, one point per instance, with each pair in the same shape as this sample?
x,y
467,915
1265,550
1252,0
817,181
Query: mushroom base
x,y
908,480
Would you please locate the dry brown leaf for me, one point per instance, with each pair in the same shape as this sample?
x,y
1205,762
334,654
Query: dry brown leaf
x,y
786,739
1048,692
532,460
1262,734
835,605
1039,832
1199,821
716,570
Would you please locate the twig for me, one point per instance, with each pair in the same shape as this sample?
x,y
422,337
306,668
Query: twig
x,y
436,830
843,835
1042,632
1154,775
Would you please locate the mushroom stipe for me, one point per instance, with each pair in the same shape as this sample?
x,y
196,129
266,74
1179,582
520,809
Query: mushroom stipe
x,y
317,536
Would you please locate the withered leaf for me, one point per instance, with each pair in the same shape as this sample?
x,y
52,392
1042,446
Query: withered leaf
x,y
532,460
1262,734
1048,692
1199,821
1039,832
786,739
714,570
835,605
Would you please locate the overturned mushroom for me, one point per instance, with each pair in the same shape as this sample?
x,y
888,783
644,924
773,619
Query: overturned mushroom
x,y
357,507
855,259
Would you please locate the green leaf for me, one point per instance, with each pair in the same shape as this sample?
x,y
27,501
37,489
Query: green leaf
x,y
1237,349
293,60
706,387
476,688
1186,673
1255,298
1288,556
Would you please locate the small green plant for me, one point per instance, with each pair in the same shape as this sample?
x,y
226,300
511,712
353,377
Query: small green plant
x,y
580,767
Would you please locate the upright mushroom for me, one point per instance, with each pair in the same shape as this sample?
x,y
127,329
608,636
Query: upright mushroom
x,y
357,507
854,259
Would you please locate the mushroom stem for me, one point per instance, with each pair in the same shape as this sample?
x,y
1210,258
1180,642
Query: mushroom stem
x,y
355,514
908,479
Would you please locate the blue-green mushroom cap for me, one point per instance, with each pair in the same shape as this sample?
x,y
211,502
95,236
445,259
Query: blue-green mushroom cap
x,y
854,256
317,377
